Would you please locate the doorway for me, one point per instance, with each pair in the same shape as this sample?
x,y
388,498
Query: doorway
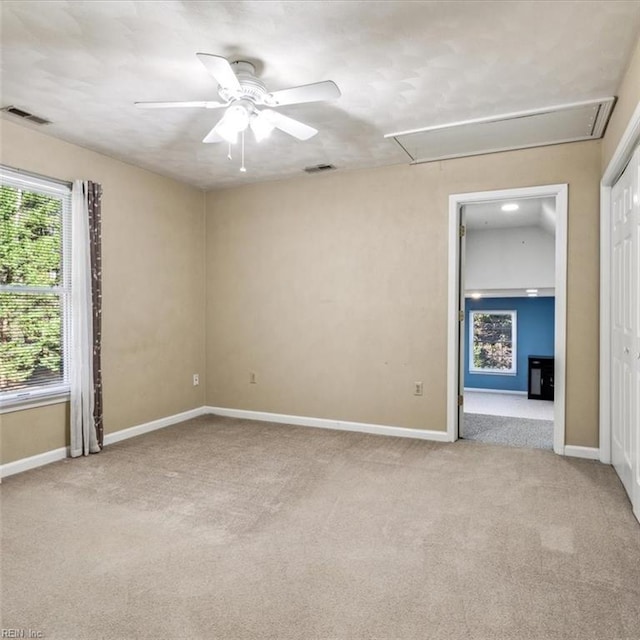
x,y
507,310
508,253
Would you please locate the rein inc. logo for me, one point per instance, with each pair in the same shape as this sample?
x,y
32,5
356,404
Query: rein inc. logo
x,y
21,633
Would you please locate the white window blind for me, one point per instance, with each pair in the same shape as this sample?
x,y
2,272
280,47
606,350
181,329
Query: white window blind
x,y
35,286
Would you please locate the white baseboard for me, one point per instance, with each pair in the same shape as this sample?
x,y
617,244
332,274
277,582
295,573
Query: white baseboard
x,y
32,462
502,391
574,451
322,423
132,432
24,464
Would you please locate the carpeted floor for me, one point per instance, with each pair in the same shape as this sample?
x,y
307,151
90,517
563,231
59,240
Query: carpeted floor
x,y
507,430
232,530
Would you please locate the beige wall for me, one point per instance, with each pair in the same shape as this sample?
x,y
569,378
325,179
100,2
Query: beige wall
x,y
333,288
628,99
25,433
153,284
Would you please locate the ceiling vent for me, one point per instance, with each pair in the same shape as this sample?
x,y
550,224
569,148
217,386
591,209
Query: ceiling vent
x,y
537,128
24,115
319,168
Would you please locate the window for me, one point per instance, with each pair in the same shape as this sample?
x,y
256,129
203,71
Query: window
x,y
492,336
35,287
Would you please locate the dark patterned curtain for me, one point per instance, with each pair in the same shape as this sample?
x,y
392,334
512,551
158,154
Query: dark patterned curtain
x,y
94,202
85,372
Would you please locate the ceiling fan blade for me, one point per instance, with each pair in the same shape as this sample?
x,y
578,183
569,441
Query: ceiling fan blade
x,y
221,70
213,135
202,104
293,127
316,92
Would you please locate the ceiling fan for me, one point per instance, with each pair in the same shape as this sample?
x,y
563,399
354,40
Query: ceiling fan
x,y
241,93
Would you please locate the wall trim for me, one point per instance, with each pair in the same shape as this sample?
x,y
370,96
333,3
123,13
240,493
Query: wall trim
x,y
628,142
32,462
506,392
55,455
323,423
41,459
575,451
35,403
161,423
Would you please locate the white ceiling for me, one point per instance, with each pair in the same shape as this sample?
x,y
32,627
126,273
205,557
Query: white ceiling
x,y
400,65
532,212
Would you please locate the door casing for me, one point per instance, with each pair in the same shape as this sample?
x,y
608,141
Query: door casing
x,y
456,302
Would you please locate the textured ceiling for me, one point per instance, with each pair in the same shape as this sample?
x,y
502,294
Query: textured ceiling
x,y
532,212
400,65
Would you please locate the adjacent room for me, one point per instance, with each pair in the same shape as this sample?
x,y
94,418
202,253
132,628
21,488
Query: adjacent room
x,y
509,284
320,320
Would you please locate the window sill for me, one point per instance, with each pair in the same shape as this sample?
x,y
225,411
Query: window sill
x,y
493,373
21,404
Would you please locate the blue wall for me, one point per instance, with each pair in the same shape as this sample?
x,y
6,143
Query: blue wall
x,y
535,320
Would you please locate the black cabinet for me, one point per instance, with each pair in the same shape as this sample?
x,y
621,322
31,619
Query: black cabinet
x,y
541,374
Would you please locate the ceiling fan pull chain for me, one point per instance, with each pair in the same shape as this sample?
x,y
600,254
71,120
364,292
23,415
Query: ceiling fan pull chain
x,y
243,168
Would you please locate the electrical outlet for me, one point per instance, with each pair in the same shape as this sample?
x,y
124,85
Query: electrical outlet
x,y
196,379
417,388
252,377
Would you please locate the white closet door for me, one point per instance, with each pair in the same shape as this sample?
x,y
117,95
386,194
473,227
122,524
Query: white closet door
x,y
635,349
625,339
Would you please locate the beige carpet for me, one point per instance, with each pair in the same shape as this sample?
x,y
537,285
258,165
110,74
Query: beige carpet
x,y
227,529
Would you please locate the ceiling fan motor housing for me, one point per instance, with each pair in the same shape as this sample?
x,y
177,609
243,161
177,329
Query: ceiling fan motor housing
x,y
251,87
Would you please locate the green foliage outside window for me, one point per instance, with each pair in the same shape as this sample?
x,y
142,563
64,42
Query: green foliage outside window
x,y
30,256
493,341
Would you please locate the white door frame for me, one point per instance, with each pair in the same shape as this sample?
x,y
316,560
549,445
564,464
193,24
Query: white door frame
x,y
618,162
456,201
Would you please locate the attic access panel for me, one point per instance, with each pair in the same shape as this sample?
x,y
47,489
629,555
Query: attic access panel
x,y
555,125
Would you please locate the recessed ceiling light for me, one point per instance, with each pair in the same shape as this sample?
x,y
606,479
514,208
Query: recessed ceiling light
x,y
510,206
476,295
532,291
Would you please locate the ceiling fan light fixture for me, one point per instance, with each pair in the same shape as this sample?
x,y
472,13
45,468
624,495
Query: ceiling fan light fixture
x,y
240,94
234,121
261,126
227,132
237,117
